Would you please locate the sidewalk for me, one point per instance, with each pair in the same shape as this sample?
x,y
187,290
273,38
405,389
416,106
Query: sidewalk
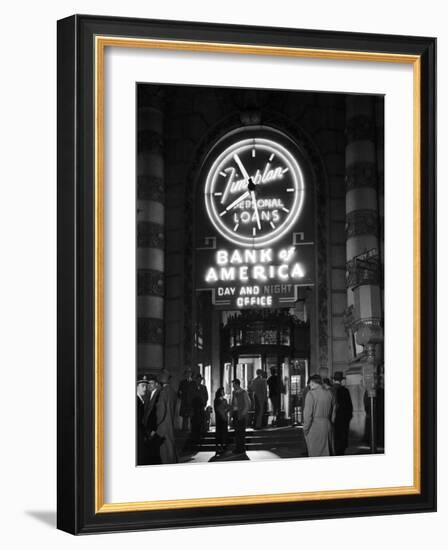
x,y
267,444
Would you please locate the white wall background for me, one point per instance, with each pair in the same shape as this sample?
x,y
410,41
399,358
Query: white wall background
x,y
28,270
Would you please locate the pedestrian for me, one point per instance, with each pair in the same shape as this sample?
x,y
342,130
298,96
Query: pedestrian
x,y
344,413
259,388
165,415
319,415
264,423
221,416
240,412
186,391
275,386
199,402
150,421
142,449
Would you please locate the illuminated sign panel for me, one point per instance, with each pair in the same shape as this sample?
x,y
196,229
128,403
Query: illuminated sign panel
x,y
255,234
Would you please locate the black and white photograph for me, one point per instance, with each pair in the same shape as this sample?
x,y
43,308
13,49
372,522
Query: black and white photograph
x,y
259,274
220,295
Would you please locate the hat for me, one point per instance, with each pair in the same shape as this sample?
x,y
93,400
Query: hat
x,y
163,377
143,380
338,375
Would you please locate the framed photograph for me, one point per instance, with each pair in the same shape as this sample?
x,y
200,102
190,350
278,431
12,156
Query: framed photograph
x,y
246,274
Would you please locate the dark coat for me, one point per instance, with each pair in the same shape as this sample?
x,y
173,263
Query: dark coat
x,y
186,392
198,420
221,410
200,398
150,417
165,411
142,450
275,386
344,413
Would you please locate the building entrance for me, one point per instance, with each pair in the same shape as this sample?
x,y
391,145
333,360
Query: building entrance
x,y
275,342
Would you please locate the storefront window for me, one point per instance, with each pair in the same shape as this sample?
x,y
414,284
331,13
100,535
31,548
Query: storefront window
x,y
269,337
253,337
285,336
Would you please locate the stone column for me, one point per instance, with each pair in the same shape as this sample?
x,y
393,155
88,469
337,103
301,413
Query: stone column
x,y
363,280
150,231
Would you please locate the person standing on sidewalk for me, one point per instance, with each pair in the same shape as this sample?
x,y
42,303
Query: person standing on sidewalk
x,y
142,449
221,414
240,411
259,387
186,391
198,403
165,414
319,416
150,420
275,394
344,413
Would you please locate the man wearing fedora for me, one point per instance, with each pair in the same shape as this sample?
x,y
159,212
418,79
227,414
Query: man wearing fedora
x,y
150,420
142,449
165,414
344,413
198,404
186,392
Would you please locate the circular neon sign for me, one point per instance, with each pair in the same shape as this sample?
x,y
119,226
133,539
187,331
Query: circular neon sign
x,y
254,192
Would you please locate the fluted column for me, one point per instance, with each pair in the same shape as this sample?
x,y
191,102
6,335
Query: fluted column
x,y
363,280
150,231
362,216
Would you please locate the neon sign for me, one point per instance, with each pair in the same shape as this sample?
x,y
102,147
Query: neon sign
x,y
270,190
253,265
246,276
255,243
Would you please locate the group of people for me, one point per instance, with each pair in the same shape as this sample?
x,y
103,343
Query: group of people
x,y
193,395
156,410
238,409
259,390
262,388
326,416
156,415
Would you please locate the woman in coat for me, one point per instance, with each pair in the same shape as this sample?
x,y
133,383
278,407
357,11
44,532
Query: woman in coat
x,y
318,418
221,414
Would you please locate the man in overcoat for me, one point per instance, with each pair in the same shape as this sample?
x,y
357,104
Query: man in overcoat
x,y
150,420
142,449
344,413
318,418
165,413
199,402
275,392
186,391
259,388
240,413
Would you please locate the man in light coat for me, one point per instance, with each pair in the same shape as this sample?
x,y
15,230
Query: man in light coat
x,y
318,418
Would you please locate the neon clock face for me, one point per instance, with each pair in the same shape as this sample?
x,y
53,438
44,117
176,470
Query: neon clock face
x,y
254,192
